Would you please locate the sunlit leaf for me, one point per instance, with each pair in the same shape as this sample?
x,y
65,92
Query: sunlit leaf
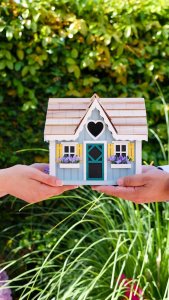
x,y
74,53
25,14
127,31
9,33
20,54
2,27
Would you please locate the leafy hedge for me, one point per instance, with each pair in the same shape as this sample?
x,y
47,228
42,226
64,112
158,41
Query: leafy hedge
x,y
74,48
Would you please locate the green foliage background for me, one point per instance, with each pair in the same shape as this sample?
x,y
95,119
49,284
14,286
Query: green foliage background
x,y
59,48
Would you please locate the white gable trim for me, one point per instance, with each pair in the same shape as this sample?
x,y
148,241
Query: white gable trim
x,y
96,105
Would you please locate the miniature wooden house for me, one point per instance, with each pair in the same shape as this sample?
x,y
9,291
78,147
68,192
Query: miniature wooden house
x,y
94,141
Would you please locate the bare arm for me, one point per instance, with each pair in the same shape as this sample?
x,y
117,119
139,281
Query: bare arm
x,y
30,183
150,186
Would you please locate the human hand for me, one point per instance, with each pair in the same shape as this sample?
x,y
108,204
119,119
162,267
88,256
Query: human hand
x,y
150,186
30,183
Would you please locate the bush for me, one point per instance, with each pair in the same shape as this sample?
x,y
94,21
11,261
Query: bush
x,y
68,48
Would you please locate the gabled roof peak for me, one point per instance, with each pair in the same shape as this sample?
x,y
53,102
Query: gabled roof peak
x,y
95,97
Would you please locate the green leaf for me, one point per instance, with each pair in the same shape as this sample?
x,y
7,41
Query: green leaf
x,y
127,31
20,54
26,106
25,14
32,70
70,61
9,33
18,65
77,72
36,17
2,27
2,64
9,64
8,55
2,53
120,50
20,90
74,53
25,70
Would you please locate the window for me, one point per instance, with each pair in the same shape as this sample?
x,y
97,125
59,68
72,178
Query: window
x,y
68,151
121,149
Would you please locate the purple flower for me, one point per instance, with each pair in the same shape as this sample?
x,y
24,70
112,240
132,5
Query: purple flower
x,y
46,170
114,159
5,291
69,159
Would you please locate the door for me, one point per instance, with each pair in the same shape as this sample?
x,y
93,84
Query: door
x,y
95,161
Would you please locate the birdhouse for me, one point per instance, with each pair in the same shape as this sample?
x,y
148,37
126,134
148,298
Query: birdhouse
x,y
95,141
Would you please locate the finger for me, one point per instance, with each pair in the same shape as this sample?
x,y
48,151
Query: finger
x,y
47,179
136,180
40,166
128,193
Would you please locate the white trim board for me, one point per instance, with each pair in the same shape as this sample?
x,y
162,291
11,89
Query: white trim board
x,y
138,157
52,158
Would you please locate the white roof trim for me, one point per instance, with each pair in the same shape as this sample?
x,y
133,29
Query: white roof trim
x,y
94,105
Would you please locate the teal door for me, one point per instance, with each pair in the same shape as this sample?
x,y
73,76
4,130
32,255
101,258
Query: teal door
x,y
95,161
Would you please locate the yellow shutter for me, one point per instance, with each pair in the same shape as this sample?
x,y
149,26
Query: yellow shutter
x,y
79,150
110,149
131,151
59,152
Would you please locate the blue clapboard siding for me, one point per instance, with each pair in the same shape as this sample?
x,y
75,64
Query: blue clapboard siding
x,y
76,176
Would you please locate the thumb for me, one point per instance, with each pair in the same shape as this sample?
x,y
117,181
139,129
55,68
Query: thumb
x,y
47,179
136,180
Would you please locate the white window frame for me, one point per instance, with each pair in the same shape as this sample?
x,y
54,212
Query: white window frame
x,y
68,144
121,143
69,165
120,166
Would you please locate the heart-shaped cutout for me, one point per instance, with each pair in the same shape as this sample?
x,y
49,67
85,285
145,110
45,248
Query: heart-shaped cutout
x,y
95,128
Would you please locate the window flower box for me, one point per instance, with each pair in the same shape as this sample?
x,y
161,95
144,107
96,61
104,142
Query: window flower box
x,y
120,162
69,162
